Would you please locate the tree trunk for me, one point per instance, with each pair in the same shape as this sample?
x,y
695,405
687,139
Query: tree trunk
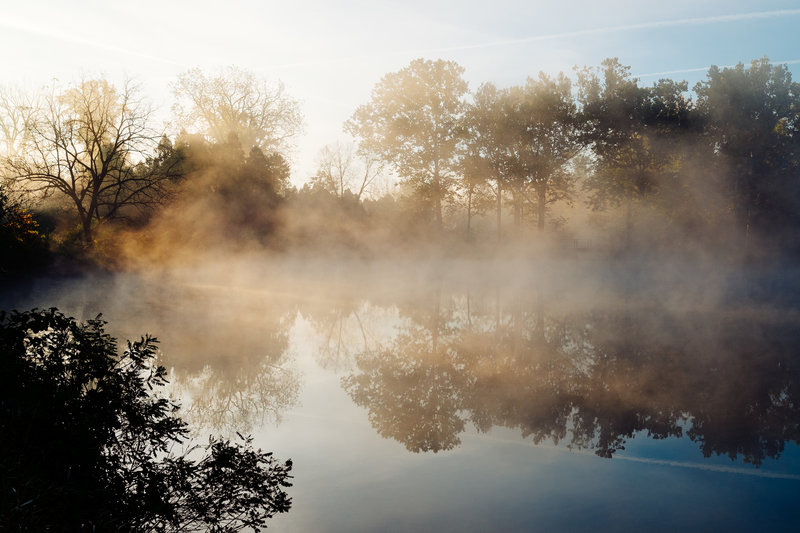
x,y
437,195
628,221
85,218
86,224
469,210
542,193
499,211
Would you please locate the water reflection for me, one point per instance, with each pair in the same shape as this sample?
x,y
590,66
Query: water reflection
x,y
591,379
568,359
226,347
230,361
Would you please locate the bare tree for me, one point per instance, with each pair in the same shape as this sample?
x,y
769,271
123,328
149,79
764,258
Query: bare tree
x,y
343,168
17,111
88,143
235,102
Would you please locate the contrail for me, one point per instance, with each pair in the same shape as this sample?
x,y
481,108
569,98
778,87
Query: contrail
x,y
31,28
712,468
705,69
693,21
658,462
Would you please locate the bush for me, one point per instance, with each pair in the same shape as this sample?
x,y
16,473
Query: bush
x,y
22,245
87,440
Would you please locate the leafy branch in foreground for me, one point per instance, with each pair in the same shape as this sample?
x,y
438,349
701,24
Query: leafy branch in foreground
x,y
87,438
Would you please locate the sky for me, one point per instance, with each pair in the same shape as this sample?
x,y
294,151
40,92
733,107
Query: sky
x,y
330,55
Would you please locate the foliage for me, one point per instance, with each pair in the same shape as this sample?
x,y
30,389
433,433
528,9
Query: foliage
x,y
626,125
412,121
545,136
22,243
695,169
753,119
87,440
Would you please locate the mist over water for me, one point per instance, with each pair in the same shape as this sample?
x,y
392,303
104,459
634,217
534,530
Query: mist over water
x,y
671,364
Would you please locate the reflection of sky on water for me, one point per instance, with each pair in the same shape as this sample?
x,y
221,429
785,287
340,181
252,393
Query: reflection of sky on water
x,y
349,479
277,357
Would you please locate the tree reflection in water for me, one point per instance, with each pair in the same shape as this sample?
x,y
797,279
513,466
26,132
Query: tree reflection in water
x,y
428,360
230,364
592,379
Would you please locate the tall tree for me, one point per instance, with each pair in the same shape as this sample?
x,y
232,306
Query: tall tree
x,y
485,146
752,119
546,136
412,120
629,128
236,102
84,144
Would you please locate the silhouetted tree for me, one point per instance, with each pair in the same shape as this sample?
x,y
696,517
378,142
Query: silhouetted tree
x,y
627,125
83,144
87,440
752,121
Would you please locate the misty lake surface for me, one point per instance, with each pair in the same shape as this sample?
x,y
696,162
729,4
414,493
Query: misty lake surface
x,y
518,394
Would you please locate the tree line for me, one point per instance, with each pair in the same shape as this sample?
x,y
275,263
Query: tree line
x,y
728,153
721,160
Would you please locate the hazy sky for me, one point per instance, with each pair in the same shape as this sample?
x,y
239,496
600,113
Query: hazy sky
x,y
331,54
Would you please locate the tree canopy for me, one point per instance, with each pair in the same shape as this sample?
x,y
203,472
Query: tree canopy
x,y
236,103
412,120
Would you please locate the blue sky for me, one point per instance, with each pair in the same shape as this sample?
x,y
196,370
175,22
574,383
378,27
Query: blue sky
x,y
330,54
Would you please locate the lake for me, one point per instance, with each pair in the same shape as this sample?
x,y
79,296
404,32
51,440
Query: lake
x,y
519,394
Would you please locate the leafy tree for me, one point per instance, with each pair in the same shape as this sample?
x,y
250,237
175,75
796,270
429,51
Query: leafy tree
x,y
87,440
412,121
235,102
83,144
486,145
545,136
752,120
630,129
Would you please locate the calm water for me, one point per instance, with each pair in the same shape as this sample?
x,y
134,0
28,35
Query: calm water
x,y
471,396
